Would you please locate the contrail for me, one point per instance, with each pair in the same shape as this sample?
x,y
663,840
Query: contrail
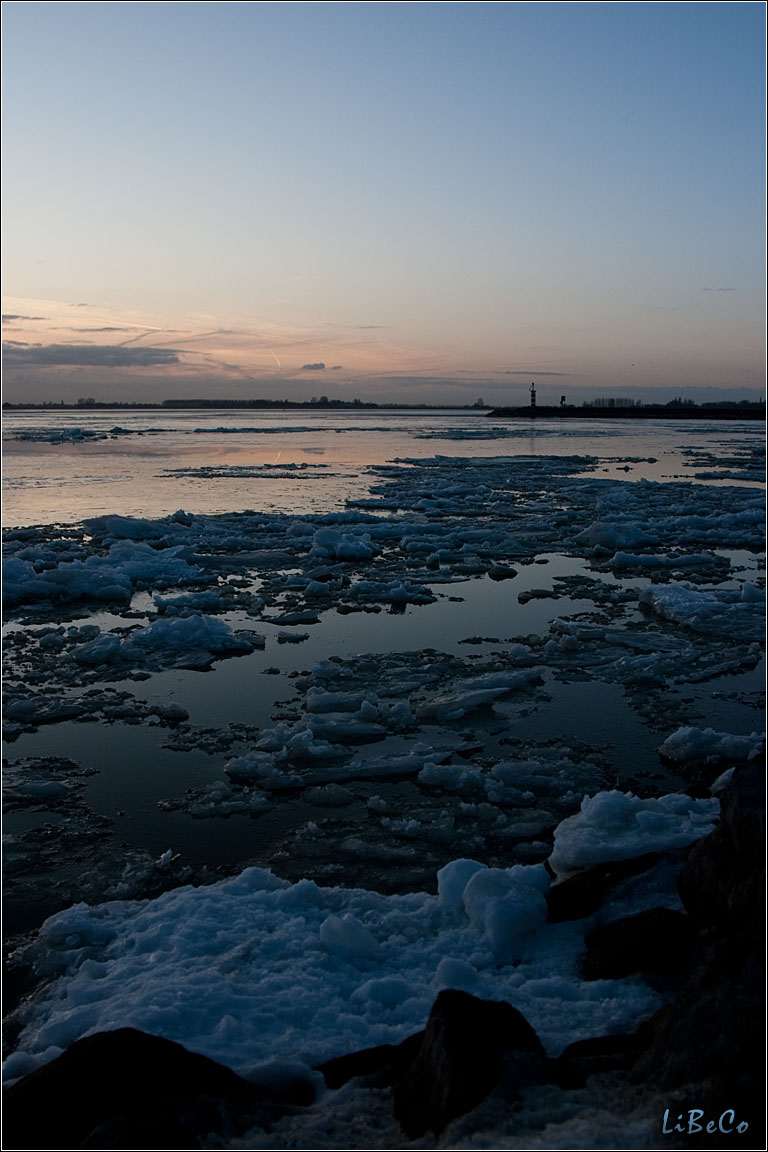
x,y
276,361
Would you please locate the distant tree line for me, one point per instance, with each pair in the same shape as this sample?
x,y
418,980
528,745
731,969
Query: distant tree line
x,y
678,402
315,402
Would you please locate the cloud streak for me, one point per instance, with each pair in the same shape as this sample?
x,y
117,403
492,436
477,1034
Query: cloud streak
x,y
91,355
530,372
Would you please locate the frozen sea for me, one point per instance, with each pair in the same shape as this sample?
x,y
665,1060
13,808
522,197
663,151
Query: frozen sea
x,y
297,705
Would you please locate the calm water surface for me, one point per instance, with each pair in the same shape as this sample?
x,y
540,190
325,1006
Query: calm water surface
x,y
161,461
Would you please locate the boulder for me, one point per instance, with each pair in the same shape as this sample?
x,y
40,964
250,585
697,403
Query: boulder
x,y
377,1067
582,894
658,940
722,884
584,1058
576,897
713,1032
128,1089
469,1048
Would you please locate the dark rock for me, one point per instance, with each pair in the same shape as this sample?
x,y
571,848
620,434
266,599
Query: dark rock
x,y
657,940
722,884
714,1033
583,1058
127,1089
502,572
469,1047
583,893
578,896
380,1066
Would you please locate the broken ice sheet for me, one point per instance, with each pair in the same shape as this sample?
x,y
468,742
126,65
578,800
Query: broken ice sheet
x,y
642,591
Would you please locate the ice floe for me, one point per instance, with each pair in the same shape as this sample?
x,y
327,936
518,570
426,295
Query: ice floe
x,y
617,826
299,971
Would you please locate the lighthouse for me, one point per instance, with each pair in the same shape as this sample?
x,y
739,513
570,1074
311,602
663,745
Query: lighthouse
x,y
533,395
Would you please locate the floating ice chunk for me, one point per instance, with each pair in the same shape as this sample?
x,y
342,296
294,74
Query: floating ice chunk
x,y
397,716
42,710
125,527
172,711
644,560
608,534
344,728
509,681
35,790
319,701
103,650
345,936
452,880
455,974
688,744
218,799
106,579
504,907
387,991
22,584
176,605
196,633
252,766
709,612
454,705
619,826
451,778
329,543
330,796
377,804
257,767
301,744
318,588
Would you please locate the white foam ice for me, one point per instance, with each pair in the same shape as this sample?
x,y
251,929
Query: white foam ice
x,y
254,968
689,744
619,826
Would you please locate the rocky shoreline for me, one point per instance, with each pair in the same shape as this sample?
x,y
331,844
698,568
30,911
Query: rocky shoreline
x,y
694,1070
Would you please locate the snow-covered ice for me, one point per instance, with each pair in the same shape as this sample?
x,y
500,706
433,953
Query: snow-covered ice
x,y
303,972
618,826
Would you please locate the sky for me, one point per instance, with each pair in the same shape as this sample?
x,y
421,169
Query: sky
x,y
413,202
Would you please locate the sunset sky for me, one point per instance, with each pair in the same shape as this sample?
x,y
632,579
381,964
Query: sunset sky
x,y
397,202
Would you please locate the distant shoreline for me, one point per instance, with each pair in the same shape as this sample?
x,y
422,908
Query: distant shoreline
x,y
644,412
242,406
543,411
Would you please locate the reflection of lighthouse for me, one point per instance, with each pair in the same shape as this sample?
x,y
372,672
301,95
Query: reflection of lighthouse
x,y
533,395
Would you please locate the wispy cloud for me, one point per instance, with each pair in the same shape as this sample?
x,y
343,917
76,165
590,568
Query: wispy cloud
x,y
11,316
530,372
98,355
720,289
107,328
